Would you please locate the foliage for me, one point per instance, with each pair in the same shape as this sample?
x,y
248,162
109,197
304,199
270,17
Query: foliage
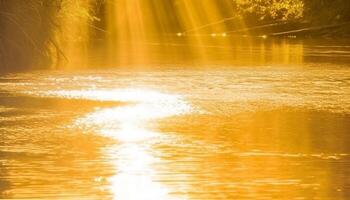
x,y
30,30
315,11
270,9
327,11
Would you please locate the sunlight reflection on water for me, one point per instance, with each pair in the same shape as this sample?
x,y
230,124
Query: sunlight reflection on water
x,y
128,125
243,133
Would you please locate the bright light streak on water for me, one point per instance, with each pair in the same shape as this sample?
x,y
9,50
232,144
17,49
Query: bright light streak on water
x,y
128,125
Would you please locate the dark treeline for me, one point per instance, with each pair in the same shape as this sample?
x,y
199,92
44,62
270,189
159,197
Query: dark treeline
x,y
315,11
26,31
327,11
30,31
325,18
29,28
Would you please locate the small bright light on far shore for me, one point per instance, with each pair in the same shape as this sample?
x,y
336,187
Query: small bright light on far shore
x,y
264,36
213,35
179,34
223,34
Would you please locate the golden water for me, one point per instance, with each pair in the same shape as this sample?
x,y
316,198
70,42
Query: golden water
x,y
185,132
175,107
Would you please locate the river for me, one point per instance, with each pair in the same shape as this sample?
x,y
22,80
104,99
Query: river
x,y
272,122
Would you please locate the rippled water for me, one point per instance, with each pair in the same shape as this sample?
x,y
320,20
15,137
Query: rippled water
x,y
266,132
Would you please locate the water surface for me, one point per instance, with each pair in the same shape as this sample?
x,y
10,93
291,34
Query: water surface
x,y
271,130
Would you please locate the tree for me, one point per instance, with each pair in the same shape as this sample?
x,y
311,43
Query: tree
x,y
267,10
